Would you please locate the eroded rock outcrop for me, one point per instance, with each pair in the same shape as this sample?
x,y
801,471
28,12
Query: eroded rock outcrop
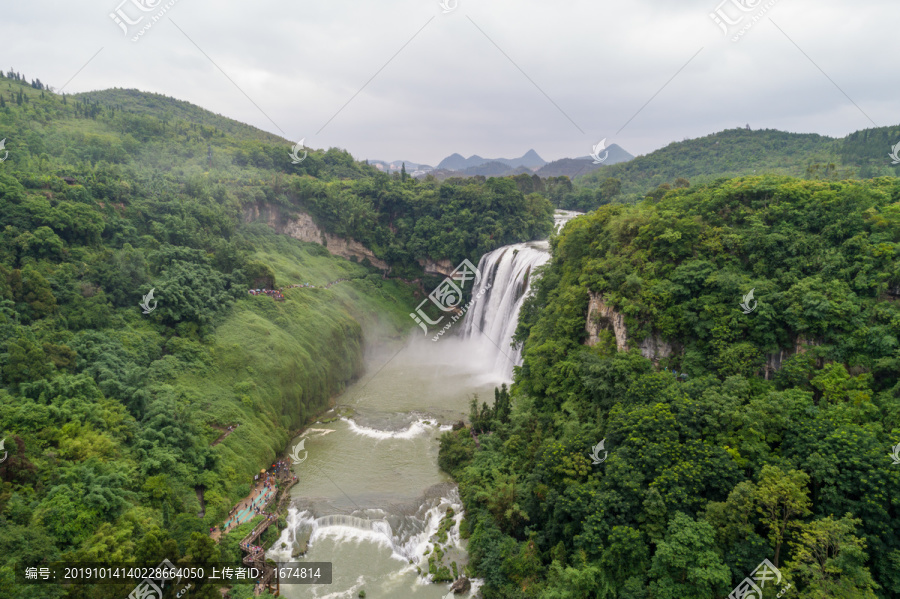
x,y
601,317
441,267
655,348
462,585
304,228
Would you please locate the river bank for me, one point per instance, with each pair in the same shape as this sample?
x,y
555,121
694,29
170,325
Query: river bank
x,y
371,497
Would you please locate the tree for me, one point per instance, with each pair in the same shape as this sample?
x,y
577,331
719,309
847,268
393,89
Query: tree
x,y
501,404
24,361
625,560
686,563
156,546
201,551
781,498
829,559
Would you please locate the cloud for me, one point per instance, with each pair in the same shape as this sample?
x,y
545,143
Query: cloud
x,y
397,79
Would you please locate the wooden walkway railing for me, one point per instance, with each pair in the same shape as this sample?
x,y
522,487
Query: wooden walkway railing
x,y
257,557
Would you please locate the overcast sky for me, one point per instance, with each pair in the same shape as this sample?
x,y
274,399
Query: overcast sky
x,y
494,78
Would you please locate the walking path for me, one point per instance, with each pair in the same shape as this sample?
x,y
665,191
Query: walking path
x,y
311,286
246,514
276,481
228,430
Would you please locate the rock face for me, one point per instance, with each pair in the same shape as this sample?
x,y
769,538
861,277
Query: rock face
x,y
774,361
303,227
604,317
441,267
462,585
655,348
600,317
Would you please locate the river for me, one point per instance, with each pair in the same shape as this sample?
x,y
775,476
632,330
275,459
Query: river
x,y
371,495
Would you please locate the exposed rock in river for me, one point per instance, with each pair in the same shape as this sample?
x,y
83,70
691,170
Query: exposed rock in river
x,y
462,585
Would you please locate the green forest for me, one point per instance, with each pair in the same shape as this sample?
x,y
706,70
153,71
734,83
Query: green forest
x,y
109,414
727,341
732,153
732,435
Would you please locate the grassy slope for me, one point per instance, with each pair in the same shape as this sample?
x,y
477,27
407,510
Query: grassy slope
x,y
275,365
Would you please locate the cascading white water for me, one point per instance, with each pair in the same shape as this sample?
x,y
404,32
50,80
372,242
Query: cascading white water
x,y
407,535
494,317
371,497
506,275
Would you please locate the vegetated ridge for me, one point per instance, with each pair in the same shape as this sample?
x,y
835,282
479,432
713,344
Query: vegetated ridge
x,y
739,426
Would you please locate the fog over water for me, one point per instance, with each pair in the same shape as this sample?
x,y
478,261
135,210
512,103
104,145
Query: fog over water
x,y
371,494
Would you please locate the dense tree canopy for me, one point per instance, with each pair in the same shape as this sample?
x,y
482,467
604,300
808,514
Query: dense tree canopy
x,y
109,413
734,436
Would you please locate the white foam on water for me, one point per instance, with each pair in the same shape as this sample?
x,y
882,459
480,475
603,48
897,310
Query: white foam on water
x,y
416,429
415,547
320,432
350,593
356,529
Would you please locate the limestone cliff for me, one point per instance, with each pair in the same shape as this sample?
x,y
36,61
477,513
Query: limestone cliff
x,y
303,227
441,267
603,316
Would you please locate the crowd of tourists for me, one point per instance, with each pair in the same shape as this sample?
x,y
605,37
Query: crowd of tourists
x,y
311,286
278,293
273,293
264,488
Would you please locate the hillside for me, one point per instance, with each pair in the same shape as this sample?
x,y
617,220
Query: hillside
x,y
111,413
727,153
737,152
155,105
116,136
662,439
575,167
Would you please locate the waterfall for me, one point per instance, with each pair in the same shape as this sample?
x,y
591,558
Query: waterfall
x,y
408,533
506,275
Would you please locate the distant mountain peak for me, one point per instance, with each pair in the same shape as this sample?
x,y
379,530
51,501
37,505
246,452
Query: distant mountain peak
x,y
455,162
